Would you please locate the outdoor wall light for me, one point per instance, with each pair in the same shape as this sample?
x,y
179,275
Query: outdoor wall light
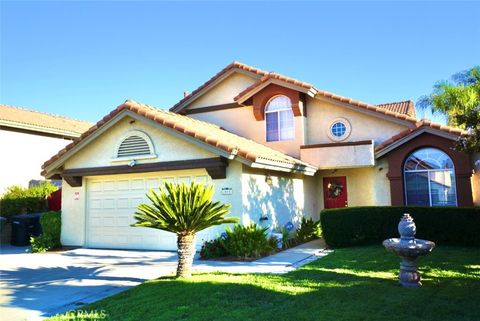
x,y
268,179
132,163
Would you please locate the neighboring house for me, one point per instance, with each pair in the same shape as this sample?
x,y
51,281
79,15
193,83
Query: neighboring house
x,y
275,148
29,137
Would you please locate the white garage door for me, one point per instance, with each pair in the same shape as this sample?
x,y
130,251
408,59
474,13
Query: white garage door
x,y
111,204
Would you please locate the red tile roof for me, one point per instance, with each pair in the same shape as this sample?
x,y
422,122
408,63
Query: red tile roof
x,y
32,120
233,65
418,126
399,110
406,107
200,130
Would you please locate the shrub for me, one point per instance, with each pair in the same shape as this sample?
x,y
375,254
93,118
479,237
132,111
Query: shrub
x,y
213,249
19,200
50,237
248,242
308,230
366,225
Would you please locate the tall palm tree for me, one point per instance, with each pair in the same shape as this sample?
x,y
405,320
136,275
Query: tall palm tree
x,y
184,210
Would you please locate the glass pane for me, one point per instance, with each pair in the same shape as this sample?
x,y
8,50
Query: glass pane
x,y
416,187
428,158
339,129
287,127
272,126
279,103
442,187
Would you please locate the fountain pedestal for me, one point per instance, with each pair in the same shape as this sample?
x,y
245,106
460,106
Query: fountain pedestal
x,y
408,248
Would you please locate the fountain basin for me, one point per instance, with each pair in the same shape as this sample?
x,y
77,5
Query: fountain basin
x,y
414,248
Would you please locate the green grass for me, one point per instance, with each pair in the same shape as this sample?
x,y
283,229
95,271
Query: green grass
x,y
350,284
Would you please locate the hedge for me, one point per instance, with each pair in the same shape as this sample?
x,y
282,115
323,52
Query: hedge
x,y
367,225
19,200
51,223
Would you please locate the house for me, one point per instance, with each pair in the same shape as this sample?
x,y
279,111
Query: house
x,y
29,137
275,148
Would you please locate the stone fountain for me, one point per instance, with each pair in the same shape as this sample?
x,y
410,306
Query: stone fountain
x,y
408,248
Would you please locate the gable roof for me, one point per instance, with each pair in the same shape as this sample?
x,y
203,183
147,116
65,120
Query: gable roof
x,y
234,146
404,110
33,121
406,107
421,126
230,68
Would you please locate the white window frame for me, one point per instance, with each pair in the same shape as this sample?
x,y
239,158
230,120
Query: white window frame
x,y
428,177
141,134
278,120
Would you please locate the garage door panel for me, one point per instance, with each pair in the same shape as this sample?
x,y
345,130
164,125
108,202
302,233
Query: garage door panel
x,y
111,204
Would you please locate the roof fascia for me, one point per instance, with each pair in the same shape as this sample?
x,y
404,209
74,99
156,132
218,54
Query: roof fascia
x,y
39,129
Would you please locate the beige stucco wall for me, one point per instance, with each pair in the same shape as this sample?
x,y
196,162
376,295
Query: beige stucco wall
x,y
241,121
365,186
339,156
224,91
22,156
287,199
102,150
320,115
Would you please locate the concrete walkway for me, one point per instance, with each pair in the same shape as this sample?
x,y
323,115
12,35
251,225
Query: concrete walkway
x,y
35,286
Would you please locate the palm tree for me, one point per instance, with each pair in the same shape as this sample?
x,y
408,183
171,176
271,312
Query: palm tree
x,y
183,210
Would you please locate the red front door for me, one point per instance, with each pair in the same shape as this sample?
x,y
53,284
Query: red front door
x,y
335,192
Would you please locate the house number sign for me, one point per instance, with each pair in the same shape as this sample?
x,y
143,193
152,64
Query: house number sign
x,y
227,191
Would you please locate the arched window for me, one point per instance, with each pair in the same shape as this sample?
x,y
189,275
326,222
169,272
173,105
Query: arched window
x,y
429,178
134,144
279,119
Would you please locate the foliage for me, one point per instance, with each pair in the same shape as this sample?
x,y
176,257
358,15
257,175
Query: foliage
x,y
19,200
184,210
347,285
308,230
51,223
287,238
460,102
42,243
213,249
248,241
365,225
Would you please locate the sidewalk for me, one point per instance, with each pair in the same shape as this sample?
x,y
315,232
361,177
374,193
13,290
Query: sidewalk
x,y
279,263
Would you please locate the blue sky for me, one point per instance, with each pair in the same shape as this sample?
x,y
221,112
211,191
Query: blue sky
x,y
82,59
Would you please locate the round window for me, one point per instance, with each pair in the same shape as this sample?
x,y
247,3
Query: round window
x,y
339,129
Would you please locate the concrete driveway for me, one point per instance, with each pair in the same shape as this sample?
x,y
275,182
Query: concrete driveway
x,y
34,286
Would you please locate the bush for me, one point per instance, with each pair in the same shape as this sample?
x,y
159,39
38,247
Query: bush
x,y
248,242
19,200
213,249
308,230
50,237
366,225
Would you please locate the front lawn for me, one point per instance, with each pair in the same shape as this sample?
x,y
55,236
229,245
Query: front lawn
x,y
350,284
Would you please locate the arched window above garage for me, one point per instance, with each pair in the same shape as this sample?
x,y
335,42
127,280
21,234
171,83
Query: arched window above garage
x,y
134,145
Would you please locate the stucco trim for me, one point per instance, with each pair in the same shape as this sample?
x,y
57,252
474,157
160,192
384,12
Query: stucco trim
x,y
414,134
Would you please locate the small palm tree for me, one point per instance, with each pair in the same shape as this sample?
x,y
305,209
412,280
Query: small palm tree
x,y
183,210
